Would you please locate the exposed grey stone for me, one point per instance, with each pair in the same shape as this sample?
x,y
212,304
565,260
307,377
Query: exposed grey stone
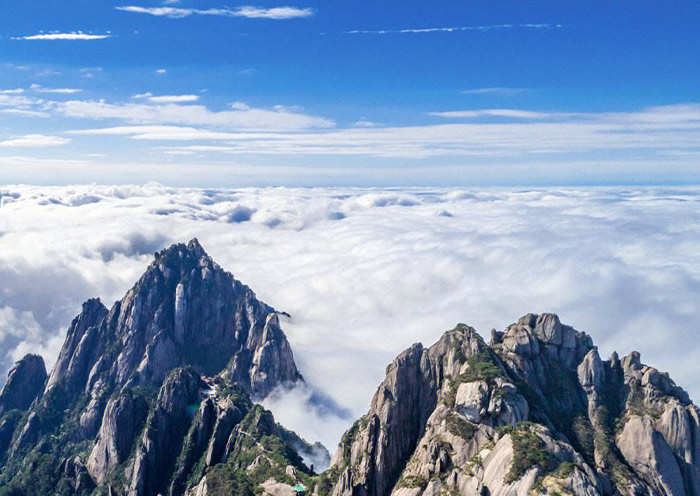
x,y
121,423
25,383
185,310
573,399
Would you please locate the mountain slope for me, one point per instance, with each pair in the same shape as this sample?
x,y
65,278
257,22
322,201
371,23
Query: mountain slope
x,y
25,382
156,396
128,384
184,310
535,412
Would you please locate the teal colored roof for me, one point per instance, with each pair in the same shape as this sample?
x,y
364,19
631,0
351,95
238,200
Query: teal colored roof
x,y
299,487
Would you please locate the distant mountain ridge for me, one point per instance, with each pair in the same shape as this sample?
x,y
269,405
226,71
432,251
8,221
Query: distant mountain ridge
x,y
155,396
535,412
184,310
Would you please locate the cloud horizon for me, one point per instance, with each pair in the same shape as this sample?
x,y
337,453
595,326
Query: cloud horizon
x,y
365,273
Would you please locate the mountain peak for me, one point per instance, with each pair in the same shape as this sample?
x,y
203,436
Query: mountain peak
x,y
194,246
536,411
24,384
188,331
183,252
184,310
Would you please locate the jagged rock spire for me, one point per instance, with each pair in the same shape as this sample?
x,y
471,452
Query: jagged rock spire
x,y
184,310
451,419
25,382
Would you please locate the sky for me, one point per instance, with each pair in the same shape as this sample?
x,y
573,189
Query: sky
x,y
365,273
473,161
309,93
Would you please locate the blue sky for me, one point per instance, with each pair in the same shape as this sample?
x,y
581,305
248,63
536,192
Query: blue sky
x,y
358,93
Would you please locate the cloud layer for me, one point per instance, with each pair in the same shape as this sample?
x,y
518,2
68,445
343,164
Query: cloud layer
x,y
456,29
483,134
366,273
276,13
34,141
654,143
57,36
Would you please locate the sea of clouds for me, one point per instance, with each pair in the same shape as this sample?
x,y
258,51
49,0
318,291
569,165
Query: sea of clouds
x,y
366,273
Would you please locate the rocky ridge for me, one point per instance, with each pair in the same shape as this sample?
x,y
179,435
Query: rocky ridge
x,y
25,382
148,396
155,396
536,411
184,310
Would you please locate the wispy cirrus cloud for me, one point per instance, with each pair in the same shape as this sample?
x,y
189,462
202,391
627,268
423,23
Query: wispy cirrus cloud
x,y
456,29
237,117
510,113
514,134
495,90
34,141
16,99
167,98
90,72
251,12
24,113
59,91
158,133
162,110
58,36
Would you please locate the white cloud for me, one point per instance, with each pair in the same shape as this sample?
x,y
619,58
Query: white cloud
x,y
166,98
15,99
199,115
24,162
366,273
647,135
158,133
34,141
517,133
365,123
173,98
301,407
568,139
79,35
496,90
457,29
199,148
274,13
251,12
21,334
60,91
25,113
161,71
512,113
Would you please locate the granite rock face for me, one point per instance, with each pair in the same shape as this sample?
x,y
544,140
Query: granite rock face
x,y
193,435
184,311
25,383
155,396
165,428
121,423
145,395
536,411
